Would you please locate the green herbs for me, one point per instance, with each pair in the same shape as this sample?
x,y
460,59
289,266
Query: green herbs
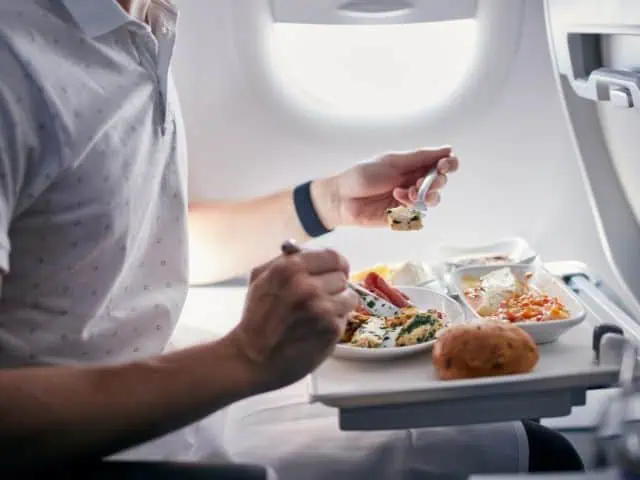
x,y
420,320
421,328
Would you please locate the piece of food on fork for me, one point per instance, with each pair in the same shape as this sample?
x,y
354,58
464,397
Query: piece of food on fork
x,y
404,218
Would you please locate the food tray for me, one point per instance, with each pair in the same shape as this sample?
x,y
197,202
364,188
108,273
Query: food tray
x,y
405,393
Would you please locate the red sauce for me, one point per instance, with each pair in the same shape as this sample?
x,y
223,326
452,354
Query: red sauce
x,y
532,306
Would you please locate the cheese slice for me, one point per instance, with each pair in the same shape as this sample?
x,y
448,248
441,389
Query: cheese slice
x,y
404,219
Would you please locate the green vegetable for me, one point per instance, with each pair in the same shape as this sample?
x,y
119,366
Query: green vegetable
x,y
418,321
427,324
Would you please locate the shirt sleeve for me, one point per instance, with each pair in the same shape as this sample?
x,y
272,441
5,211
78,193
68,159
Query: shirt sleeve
x,y
19,147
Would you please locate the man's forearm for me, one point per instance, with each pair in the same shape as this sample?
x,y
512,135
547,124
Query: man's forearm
x,y
59,414
227,239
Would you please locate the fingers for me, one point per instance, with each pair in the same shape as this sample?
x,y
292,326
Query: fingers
x,y
438,183
401,195
346,301
256,272
310,261
413,193
318,262
448,165
331,283
343,303
424,159
432,199
407,196
333,311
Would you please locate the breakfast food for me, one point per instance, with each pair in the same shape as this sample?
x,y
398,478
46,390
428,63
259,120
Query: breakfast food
x,y
501,296
423,327
404,219
409,326
408,273
483,350
370,334
494,287
381,288
354,321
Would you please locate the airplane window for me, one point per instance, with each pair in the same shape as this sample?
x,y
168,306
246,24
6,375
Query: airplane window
x,y
373,70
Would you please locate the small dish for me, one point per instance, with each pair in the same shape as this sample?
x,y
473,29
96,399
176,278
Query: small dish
x,y
405,274
514,250
424,299
541,332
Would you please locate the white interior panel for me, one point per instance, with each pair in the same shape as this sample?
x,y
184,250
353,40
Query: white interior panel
x,y
621,126
519,175
370,11
596,52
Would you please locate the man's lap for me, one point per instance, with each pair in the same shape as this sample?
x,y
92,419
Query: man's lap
x,y
282,430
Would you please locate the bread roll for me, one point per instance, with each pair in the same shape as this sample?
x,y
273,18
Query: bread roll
x,y
483,350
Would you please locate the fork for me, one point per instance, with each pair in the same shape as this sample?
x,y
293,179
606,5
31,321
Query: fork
x,y
376,305
421,201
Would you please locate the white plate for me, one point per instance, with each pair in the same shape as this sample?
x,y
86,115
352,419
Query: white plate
x,y
424,299
516,248
541,332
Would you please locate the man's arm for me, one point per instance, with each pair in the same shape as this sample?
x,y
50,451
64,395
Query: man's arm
x,y
227,239
294,313
63,414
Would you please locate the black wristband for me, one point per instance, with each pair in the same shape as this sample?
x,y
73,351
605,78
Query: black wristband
x,y
306,211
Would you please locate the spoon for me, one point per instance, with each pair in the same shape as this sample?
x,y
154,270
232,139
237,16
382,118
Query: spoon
x,y
374,304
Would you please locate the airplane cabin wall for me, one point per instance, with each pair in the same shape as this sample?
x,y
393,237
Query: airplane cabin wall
x,y
519,173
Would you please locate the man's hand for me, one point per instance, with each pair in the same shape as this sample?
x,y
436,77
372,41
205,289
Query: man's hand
x,y
294,314
360,195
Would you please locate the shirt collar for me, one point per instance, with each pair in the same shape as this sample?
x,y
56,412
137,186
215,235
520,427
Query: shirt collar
x,y
97,17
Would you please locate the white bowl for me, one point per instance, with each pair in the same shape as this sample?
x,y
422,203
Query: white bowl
x,y
424,299
515,248
541,332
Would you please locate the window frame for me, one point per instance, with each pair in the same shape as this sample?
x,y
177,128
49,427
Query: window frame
x,y
499,36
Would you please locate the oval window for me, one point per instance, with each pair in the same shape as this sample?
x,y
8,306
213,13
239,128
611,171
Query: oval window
x,y
373,70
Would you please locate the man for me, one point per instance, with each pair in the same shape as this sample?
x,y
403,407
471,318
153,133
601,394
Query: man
x,y
93,237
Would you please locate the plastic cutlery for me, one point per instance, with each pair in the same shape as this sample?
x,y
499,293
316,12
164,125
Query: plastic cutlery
x,y
421,201
375,305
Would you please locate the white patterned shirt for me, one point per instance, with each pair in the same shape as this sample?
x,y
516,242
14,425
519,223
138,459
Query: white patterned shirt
x,y
92,183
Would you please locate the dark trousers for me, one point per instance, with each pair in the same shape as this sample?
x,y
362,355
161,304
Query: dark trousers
x,y
549,451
